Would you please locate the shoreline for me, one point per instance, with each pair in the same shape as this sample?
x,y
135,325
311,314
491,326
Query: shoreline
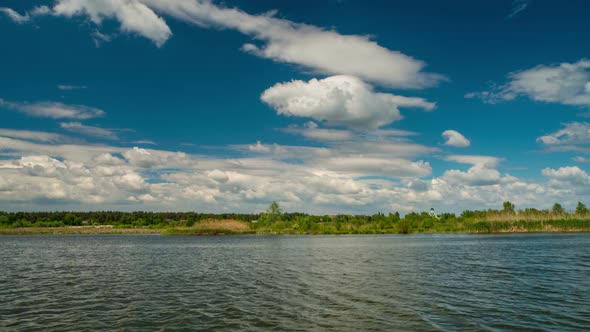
x,y
106,230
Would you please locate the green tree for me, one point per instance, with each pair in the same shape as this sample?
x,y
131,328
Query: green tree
x,y
272,214
72,220
393,218
404,226
274,209
557,209
4,220
508,207
581,209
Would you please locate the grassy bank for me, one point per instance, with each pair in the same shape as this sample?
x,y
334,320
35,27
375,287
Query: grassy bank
x,y
76,230
212,227
274,221
439,227
205,227
235,227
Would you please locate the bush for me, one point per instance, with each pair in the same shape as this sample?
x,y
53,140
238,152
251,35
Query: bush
x,y
404,226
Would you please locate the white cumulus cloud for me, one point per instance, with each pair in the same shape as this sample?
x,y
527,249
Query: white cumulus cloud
x,y
339,100
575,136
483,171
572,174
346,177
564,83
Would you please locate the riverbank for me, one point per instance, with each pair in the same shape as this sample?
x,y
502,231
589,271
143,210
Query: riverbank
x,y
235,227
76,230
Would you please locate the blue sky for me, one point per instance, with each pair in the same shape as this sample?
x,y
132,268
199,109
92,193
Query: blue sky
x,y
332,106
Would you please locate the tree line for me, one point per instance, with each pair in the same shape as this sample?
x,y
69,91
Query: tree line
x,y
274,219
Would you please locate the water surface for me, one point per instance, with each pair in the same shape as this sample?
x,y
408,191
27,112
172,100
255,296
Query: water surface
x,y
295,283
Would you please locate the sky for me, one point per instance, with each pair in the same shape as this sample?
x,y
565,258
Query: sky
x,y
333,106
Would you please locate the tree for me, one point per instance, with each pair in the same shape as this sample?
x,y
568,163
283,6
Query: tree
x,y
4,220
394,217
581,209
557,209
508,207
72,220
274,209
272,214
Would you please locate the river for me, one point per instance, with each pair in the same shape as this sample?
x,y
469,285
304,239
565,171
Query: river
x,y
295,283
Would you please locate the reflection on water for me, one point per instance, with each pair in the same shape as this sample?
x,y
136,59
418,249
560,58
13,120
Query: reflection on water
x,y
305,283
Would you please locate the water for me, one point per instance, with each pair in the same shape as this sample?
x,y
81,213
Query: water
x,y
295,283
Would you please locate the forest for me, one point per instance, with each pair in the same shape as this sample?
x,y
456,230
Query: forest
x,y
275,221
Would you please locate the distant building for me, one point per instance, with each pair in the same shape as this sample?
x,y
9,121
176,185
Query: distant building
x,y
433,214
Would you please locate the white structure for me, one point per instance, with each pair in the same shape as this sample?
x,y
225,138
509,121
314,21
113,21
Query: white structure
x,y
433,214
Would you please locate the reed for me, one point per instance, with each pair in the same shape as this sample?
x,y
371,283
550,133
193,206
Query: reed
x,y
211,227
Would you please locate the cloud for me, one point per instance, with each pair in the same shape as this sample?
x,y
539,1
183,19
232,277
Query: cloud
x,y
572,174
518,6
347,177
77,152
41,176
148,158
133,15
312,131
581,159
314,48
107,159
20,19
38,136
70,87
454,138
99,38
394,132
54,110
564,83
482,173
259,147
480,161
363,166
475,176
575,136
15,16
339,100
386,148
40,10
569,179
359,146
145,141
77,127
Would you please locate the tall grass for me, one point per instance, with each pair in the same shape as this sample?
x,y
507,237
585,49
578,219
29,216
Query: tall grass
x,y
212,227
533,216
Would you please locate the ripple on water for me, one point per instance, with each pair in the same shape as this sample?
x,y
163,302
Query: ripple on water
x,y
295,283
